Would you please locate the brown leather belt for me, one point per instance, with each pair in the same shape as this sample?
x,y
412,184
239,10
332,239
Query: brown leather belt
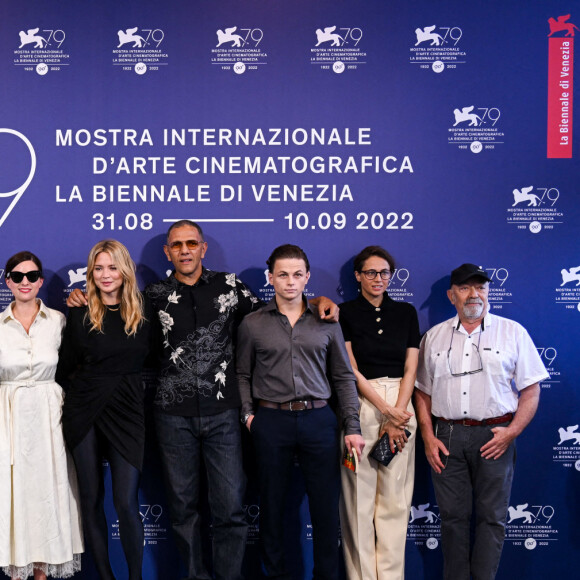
x,y
294,405
473,423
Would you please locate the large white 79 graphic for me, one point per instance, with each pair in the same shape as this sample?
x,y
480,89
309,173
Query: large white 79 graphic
x,y
17,193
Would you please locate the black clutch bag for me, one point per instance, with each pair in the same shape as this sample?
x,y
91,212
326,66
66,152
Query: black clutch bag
x,y
381,450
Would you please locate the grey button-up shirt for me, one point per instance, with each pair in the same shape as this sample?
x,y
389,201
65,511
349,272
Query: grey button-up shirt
x,y
277,362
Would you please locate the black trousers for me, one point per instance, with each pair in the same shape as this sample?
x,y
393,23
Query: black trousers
x,y
314,436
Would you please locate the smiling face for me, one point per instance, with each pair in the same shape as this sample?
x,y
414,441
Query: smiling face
x,y
373,289
289,279
470,299
185,249
108,279
26,291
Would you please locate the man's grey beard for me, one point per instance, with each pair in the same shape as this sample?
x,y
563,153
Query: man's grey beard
x,y
473,311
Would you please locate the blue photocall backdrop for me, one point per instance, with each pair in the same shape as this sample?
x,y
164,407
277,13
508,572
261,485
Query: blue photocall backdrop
x,y
421,126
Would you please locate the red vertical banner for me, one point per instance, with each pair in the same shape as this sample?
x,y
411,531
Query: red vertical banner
x,y
560,96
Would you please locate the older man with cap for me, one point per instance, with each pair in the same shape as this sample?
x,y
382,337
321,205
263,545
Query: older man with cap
x,y
477,390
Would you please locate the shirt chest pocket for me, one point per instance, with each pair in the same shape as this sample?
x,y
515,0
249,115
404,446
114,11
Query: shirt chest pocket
x,y
439,364
498,362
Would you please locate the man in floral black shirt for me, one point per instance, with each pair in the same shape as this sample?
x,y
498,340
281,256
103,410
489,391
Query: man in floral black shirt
x,y
198,400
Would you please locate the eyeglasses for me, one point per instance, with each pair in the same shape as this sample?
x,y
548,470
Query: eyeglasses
x,y
465,373
17,277
372,274
191,245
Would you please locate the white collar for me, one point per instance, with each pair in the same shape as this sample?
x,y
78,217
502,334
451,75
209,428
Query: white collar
x,y
7,314
487,322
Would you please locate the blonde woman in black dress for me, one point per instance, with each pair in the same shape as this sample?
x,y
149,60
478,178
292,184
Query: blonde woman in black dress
x,y
104,347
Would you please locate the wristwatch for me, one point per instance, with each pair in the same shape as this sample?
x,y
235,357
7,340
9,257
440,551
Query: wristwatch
x,y
245,418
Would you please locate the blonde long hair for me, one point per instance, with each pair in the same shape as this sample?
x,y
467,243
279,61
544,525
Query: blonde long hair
x,y
131,299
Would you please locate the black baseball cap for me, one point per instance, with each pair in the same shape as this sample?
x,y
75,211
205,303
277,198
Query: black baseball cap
x,y
467,271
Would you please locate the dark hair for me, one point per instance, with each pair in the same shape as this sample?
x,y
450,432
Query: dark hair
x,y
370,251
22,257
285,252
182,223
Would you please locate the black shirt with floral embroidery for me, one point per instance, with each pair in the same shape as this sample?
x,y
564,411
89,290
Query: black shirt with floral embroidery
x,y
197,328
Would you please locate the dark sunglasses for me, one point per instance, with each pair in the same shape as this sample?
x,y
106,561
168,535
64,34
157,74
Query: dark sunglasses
x,y
17,277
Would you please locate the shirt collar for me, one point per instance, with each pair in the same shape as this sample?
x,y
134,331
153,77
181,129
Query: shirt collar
x,y
43,311
7,314
487,322
273,307
366,305
203,279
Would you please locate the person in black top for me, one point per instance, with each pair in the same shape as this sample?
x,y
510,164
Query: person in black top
x,y
197,403
382,340
101,357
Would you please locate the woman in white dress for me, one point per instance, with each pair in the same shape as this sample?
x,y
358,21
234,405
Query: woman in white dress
x,y
40,528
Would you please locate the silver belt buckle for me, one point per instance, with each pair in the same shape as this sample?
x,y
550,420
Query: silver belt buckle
x,y
304,405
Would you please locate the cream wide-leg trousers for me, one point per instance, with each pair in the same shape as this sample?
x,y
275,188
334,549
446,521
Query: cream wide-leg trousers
x,y
376,501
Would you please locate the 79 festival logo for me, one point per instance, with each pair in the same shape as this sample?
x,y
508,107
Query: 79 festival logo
x,y
154,530
566,450
437,48
534,209
238,49
548,355
252,515
337,49
475,128
398,289
568,292
39,50
499,293
139,50
424,528
530,526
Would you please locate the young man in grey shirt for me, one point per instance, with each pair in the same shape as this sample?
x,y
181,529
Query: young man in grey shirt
x,y
285,358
